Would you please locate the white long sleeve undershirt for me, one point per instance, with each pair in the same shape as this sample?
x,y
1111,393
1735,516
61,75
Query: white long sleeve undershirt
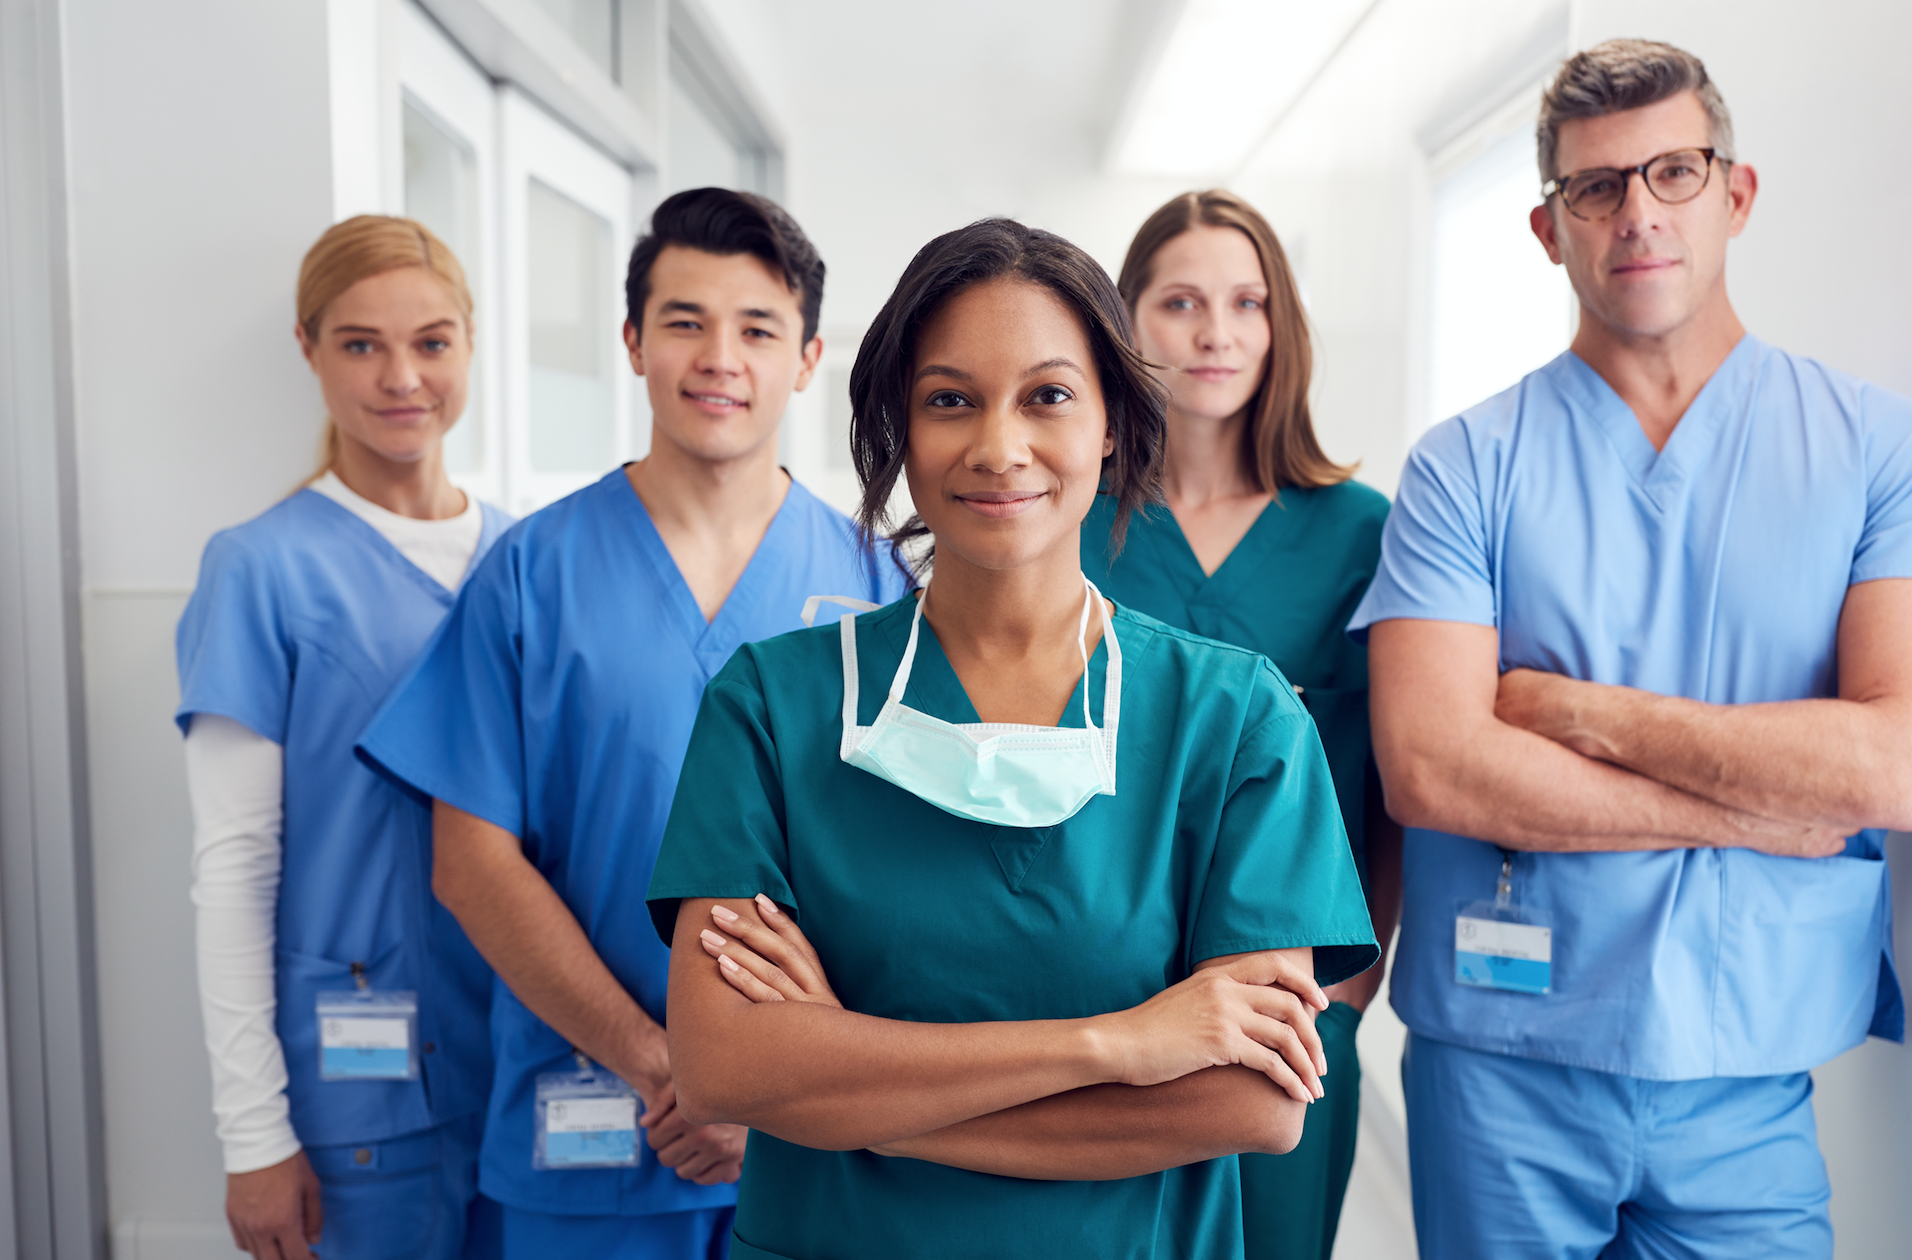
x,y
236,780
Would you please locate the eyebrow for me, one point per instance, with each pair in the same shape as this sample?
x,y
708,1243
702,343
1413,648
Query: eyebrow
x,y
677,306
380,332
943,369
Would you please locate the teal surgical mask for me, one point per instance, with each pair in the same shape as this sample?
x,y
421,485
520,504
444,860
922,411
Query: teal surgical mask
x,y
991,772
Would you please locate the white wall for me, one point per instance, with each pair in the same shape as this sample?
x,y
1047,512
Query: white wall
x,y
201,171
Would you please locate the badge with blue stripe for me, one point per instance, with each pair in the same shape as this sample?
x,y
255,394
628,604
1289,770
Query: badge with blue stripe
x,y
1495,949
368,1035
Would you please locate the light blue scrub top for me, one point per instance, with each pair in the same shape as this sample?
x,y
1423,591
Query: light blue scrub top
x,y
1715,570
303,620
1223,837
557,704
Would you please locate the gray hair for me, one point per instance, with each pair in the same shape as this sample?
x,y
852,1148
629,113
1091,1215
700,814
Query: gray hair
x,y
1624,74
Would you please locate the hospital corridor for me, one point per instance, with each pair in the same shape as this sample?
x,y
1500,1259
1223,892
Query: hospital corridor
x,y
1229,629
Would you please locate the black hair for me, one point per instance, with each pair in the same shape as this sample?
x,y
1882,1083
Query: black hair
x,y
992,249
725,222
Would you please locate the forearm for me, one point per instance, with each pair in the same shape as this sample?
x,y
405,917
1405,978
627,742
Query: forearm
x,y
1107,1132
835,1080
1838,763
531,939
1495,782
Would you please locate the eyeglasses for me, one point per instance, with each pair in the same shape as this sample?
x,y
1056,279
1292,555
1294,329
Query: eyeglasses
x,y
1674,178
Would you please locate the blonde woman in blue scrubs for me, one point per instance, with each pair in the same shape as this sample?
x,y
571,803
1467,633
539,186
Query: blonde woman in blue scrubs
x,y
1264,543
311,875
999,915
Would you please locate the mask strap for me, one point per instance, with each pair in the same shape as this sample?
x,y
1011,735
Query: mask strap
x,y
902,678
847,633
1112,679
811,605
1082,650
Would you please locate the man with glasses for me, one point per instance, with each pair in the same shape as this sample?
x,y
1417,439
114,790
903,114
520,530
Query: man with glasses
x,y
1641,658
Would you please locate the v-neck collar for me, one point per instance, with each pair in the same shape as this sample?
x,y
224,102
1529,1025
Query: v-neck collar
x,y
934,688
1246,555
713,641
1662,474
369,535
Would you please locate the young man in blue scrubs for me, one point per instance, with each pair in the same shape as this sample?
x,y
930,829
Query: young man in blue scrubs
x,y
549,722
1641,654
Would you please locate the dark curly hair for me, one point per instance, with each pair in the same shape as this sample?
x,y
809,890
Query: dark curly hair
x,y
993,249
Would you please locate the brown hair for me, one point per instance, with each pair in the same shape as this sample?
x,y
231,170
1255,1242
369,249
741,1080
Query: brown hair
x,y
993,249
361,247
1279,447
1624,74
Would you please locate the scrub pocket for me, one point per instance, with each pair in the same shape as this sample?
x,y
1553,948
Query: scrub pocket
x,y
1803,946
404,1198
326,1113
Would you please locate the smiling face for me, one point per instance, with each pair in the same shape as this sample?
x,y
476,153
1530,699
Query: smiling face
x,y
1007,426
393,358
1649,268
1204,319
721,351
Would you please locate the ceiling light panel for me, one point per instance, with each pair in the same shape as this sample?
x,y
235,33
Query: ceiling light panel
x,y
1222,76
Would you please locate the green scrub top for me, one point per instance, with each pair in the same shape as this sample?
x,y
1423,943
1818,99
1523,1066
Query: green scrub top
x,y
1286,591
1223,837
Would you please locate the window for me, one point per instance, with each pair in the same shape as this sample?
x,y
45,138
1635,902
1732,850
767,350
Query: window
x,y
1500,309
569,257
570,394
536,168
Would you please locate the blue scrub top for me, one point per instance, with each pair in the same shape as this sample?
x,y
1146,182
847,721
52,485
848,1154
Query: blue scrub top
x,y
303,620
557,704
1715,569
1223,837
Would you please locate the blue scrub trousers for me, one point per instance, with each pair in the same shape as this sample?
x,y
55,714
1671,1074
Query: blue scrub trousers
x,y
1517,1158
408,1198
699,1235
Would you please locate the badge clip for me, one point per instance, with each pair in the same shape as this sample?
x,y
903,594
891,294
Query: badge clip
x,y
585,1119
1500,945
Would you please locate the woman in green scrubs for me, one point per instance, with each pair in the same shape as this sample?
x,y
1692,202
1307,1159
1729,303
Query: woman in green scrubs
x,y
1054,972
1266,544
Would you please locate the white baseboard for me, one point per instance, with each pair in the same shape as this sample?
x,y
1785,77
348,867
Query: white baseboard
x,y
143,1238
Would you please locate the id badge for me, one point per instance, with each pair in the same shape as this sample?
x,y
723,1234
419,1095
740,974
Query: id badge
x,y
1500,946
585,1119
366,1035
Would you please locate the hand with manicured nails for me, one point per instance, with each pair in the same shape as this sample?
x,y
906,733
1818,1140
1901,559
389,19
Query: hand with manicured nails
x,y
768,960
1256,1010
274,1212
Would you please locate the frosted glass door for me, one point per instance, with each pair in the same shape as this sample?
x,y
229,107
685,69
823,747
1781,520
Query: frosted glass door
x,y
567,233
569,252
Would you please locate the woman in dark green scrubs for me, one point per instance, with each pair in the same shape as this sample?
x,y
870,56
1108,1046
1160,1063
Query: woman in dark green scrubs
x,y
1266,544
1067,878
